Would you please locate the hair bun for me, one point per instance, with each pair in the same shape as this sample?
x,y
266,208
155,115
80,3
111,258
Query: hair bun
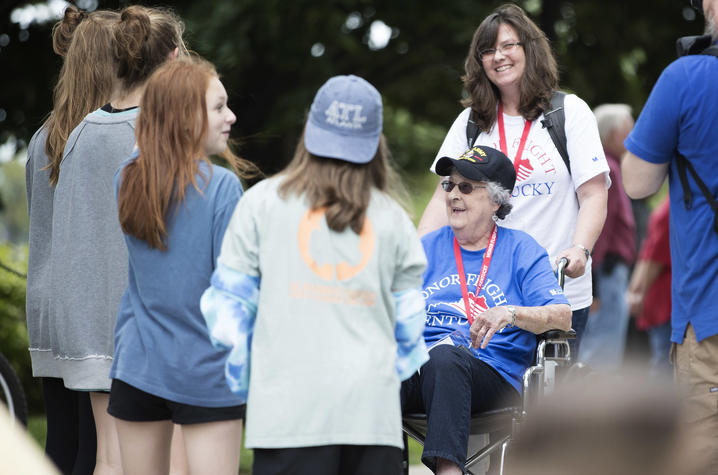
x,y
63,30
131,35
135,21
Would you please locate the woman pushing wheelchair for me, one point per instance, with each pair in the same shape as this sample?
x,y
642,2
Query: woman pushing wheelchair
x,y
489,290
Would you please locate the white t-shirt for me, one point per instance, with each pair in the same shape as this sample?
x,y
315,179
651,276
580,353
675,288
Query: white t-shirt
x,y
544,197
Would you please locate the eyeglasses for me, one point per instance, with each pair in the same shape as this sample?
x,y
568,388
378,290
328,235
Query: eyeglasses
x,y
505,49
464,187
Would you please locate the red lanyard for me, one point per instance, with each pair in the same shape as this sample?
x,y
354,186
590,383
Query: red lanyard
x,y
502,137
482,276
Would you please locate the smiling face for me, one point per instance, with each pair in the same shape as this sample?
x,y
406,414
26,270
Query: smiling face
x,y
506,70
219,117
470,216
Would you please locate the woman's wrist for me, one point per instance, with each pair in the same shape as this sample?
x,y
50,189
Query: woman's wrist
x,y
512,313
586,251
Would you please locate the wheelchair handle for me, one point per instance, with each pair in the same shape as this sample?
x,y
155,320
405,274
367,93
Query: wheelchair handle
x,y
561,271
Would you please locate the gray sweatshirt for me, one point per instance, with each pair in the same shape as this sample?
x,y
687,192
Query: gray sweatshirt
x,y
88,265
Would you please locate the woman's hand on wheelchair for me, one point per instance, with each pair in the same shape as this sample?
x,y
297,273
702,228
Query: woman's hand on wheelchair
x,y
487,324
577,261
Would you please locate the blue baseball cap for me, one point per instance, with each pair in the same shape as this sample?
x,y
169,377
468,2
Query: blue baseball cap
x,y
345,120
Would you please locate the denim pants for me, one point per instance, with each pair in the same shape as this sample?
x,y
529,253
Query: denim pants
x,y
578,324
659,337
450,387
604,340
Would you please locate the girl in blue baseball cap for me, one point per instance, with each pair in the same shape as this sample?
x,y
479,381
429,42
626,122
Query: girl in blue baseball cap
x,y
318,295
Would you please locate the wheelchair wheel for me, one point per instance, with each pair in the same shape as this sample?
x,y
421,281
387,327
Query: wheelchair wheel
x,y
11,393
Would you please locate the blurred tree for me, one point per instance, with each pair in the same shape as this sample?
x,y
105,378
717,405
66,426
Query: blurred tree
x,y
13,330
276,54
29,71
13,218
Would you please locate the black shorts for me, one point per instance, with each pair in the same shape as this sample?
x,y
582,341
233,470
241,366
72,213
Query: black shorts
x,y
329,460
131,404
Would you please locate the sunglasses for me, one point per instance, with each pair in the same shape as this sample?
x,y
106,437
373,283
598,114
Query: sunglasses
x,y
464,187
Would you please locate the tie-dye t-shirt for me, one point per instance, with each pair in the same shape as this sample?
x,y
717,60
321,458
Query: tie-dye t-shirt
x,y
519,274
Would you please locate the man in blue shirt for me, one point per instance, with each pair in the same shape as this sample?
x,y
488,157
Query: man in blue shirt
x,y
680,116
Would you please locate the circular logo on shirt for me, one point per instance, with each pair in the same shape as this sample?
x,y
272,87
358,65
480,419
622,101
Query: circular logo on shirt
x,y
342,270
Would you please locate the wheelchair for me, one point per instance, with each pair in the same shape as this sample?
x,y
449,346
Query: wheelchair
x,y
491,431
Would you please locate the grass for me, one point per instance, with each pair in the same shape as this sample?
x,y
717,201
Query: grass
x,y
37,426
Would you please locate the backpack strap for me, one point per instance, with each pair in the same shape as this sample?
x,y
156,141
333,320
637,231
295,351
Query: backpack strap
x,y
472,129
686,46
555,123
682,164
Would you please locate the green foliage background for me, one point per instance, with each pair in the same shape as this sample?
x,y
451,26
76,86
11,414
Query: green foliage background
x,y
608,51
13,329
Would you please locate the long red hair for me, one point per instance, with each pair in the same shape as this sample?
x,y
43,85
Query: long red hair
x,y
171,132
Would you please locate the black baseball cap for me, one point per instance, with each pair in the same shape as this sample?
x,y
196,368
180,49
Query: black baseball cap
x,y
481,164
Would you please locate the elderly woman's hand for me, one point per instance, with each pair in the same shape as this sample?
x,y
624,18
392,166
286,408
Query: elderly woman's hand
x,y
487,323
576,261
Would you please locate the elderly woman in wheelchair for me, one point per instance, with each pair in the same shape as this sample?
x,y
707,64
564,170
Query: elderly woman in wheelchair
x,y
489,290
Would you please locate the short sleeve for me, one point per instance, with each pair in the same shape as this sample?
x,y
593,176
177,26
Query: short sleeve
x,y
583,142
537,280
654,138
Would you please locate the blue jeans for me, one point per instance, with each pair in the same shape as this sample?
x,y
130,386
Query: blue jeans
x,y
659,338
604,340
450,387
578,324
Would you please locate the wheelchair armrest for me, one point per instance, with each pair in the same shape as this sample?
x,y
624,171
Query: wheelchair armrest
x,y
556,334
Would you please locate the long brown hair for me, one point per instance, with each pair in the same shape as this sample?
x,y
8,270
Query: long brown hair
x,y
144,39
343,188
171,132
540,78
86,78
